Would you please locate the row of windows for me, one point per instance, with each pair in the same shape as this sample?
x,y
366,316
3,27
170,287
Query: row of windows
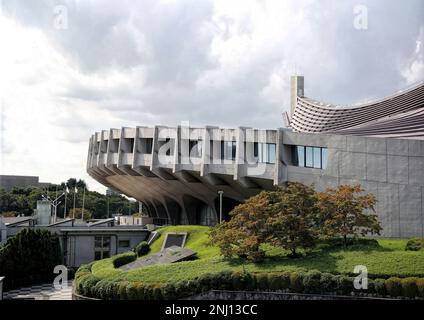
x,y
310,157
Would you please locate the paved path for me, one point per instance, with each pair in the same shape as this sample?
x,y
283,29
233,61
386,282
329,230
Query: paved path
x,y
41,292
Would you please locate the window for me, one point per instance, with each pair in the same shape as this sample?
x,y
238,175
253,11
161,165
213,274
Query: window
x,y
195,147
124,243
317,158
263,152
228,150
311,157
101,247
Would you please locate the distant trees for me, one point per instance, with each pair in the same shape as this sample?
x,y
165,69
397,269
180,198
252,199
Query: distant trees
x,y
295,217
24,200
77,213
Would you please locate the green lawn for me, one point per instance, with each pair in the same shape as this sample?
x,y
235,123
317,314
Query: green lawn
x,y
387,259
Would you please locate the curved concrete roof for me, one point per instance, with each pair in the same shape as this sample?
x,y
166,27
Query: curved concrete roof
x,y
398,115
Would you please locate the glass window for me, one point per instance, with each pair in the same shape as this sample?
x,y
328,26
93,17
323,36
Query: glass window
x,y
324,156
255,150
195,147
309,157
149,145
271,152
301,156
317,157
124,243
228,150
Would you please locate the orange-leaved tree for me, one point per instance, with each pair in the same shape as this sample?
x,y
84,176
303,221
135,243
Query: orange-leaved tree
x,y
344,213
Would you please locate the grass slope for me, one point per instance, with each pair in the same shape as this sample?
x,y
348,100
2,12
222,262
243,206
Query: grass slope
x,y
388,259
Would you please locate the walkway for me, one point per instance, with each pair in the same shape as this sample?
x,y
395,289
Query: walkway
x,y
40,292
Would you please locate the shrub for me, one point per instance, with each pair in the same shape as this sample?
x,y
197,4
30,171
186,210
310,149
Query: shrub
x,y
296,281
344,284
393,286
420,287
415,244
169,291
409,287
278,281
379,287
312,282
243,281
40,247
262,281
328,283
124,259
142,249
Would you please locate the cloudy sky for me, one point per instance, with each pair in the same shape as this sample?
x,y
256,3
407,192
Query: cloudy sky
x,y
70,68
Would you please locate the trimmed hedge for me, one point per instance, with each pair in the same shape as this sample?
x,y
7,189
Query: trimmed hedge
x,y
312,282
142,249
415,244
123,259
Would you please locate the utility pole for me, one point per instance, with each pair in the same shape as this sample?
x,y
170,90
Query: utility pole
x,y
83,200
73,214
220,192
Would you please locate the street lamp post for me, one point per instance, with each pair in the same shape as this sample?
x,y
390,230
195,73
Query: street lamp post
x,y
220,192
54,204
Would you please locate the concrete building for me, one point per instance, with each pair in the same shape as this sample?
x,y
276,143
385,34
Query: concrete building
x,y
8,182
177,172
82,242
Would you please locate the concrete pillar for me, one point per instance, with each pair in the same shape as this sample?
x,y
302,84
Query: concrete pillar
x,y
296,89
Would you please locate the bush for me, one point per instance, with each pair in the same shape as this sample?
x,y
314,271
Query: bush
x,y
312,282
415,244
278,281
142,249
409,287
328,283
420,287
296,281
344,284
379,287
124,259
393,286
262,281
40,247
243,281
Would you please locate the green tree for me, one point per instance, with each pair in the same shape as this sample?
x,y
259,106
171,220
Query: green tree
x,y
344,214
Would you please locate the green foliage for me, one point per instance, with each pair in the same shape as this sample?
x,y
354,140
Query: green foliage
x,y
123,259
142,249
415,244
24,200
262,281
312,282
379,287
409,287
30,256
393,286
296,281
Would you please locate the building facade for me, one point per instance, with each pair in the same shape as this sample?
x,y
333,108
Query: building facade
x,y
177,172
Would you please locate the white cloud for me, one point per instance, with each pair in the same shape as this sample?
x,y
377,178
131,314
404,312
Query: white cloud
x,y
160,62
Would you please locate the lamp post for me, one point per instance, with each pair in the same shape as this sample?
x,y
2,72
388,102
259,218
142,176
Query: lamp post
x,y
54,204
220,192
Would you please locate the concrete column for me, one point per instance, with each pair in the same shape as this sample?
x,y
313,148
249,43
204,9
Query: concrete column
x,y
296,89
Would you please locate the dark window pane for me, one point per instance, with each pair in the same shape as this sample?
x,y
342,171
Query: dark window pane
x,y
149,145
106,254
324,157
317,157
233,151
124,243
106,242
309,156
255,150
301,156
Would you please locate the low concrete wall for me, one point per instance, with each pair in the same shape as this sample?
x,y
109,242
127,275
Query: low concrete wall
x,y
263,295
